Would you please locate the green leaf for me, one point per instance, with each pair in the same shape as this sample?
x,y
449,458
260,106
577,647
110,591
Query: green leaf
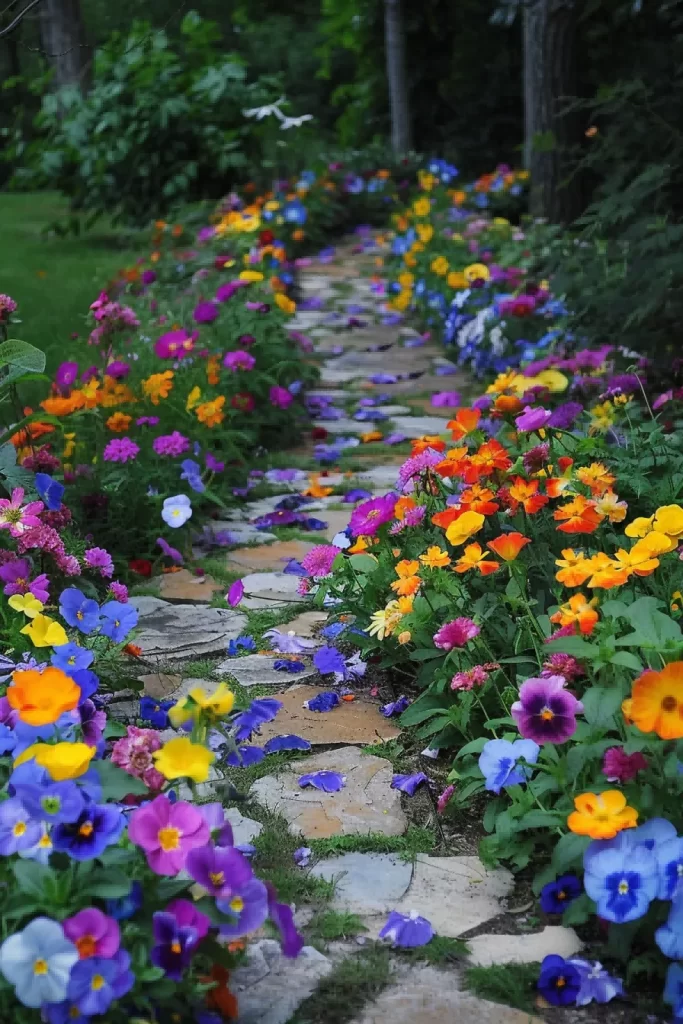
x,y
579,911
31,877
600,705
541,819
426,654
569,852
423,708
574,645
117,784
473,747
21,355
365,564
109,884
626,660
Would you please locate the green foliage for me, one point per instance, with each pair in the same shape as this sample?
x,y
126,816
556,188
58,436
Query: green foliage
x,y
510,984
336,924
415,840
354,982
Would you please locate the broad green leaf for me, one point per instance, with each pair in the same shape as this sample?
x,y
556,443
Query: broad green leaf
x,y
363,563
574,645
601,704
117,784
627,660
20,354
569,852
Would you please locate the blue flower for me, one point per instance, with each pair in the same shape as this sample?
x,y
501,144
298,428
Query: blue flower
x,y
280,743
54,802
288,665
669,856
245,757
117,620
123,908
8,740
96,828
17,829
37,962
559,982
87,682
78,611
192,472
260,711
323,701
155,711
242,643
327,781
408,783
329,659
621,878
50,491
498,762
395,707
673,989
71,657
96,982
556,896
332,631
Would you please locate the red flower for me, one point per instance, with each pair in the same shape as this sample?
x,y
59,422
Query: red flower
x,y
266,238
318,433
242,401
141,566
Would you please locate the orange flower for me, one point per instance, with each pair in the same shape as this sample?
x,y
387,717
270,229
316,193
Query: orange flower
x,y
360,546
605,572
59,406
596,476
435,558
316,489
474,557
39,698
407,585
119,422
555,487
577,611
478,499
490,457
421,444
211,413
454,464
466,420
213,374
408,567
602,815
507,403
447,516
403,505
608,505
508,545
657,702
31,432
575,568
286,304
525,493
158,386
580,516
371,435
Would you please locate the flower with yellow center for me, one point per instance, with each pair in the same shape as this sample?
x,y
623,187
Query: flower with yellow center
x,y
26,603
158,386
608,505
657,702
575,568
474,557
181,758
465,527
601,816
476,272
198,702
435,558
596,476
456,280
61,760
43,631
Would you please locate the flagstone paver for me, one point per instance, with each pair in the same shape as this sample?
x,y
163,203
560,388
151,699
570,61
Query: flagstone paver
x,y
366,883
304,624
270,988
258,670
270,590
264,559
486,950
159,684
184,587
356,721
337,520
365,804
244,830
242,532
417,426
176,632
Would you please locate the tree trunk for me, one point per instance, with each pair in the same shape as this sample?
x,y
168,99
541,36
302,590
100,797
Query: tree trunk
x,y
395,45
63,40
549,85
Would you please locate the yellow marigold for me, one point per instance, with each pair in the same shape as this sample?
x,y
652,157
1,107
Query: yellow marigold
x,y
284,303
421,207
440,266
158,386
211,413
425,232
118,422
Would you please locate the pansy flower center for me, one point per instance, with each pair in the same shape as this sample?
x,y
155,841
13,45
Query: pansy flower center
x,y
169,838
19,828
40,966
237,904
217,877
623,887
86,946
97,982
561,982
546,714
176,948
669,703
86,829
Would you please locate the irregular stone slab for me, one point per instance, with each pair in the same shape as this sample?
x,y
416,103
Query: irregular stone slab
x,y
455,893
184,586
366,883
380,476
337,520
356,721
270,590
171,632
418,426
349,426
329,374
395,410
366,803
270,988
159,684
426,995
486,950
303,624
257,670
263,559
125,711
244,533
244,830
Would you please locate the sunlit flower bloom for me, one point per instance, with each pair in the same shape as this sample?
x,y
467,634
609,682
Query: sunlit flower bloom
x,y
197,702
40,698
669,520
435,558
464,527
601,816
578,610
578,516
597,477
532,419
211,413
474,557
575,568
466,420
167,832
608,505
368,517
61,760
525,493
546,711
38,961
26,603
16,517
181,758
158,386
176,510
607,573
456,633
45,632
657,702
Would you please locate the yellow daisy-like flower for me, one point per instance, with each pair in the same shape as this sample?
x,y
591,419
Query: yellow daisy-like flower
x,y
26,603
181,758
45,632
435,558
216,705
378,624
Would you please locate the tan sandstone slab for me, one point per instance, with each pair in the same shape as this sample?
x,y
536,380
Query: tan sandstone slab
x,y
159,684
303,625
273,557
337,520
426,995
486,950
184,586
356,721
365,804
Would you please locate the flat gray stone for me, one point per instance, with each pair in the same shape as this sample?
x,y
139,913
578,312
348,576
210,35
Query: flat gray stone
x,y
125,711
395,410
245,533
348,426
486,950
425,995
244,830
366,883
174,632
379,476
418,426
303,624
455,893
258,670
273,588
270,988
366,803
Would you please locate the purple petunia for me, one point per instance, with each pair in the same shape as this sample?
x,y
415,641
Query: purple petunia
x,y
545,711
407,931
327,781
409,783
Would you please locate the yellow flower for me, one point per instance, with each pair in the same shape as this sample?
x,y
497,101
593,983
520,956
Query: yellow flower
x,y
610,507
421,207
45,632
477,272
216,705
26,603
466,526
401,301
286,304
406,279
669,520
553,380
602,417
440,266
404,637
435,558
158,386
211,413
378,624
371,435
70,446
425,233
61,760
251,275
193,399
181,758
640,527
359,547
456,279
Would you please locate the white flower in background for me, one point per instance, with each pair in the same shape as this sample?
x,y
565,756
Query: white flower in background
x,y
273,110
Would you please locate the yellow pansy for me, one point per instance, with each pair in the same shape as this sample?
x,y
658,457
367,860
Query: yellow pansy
x,y
26,603
421,207
553,380
640,527
456,279
425,232
251,275
181,758
216,704
61,760
284,303
477,272
45,632
669,520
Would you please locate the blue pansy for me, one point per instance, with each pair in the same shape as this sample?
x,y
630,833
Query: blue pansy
x,y
71,657
673,989
669,856
50,491
621,878
498,762
117,620
245,757
669,937
78,611
155,711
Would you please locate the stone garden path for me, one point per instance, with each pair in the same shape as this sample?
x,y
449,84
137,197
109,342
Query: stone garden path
x,y
184,636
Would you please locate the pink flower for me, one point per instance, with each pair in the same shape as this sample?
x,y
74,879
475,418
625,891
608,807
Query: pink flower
x,y
171,444
318,561
446,399
133,753
119,591
280,397
415,465
98,558
456,633
239,360
7,306
442,802
304,585
167,832
120,449
472,677
175,344
532,419
43,537
93,933
562,665
205,313
368,517
662,400
15,518
618,766
235,594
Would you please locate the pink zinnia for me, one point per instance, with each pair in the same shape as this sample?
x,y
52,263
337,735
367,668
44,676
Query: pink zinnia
x,y
99,558
368,517
618,766
120,449
562,665
205,313
318,561
280,397
133,753
15,518
171,444
239,360
475,676
167,832
7,305
456,633
119,591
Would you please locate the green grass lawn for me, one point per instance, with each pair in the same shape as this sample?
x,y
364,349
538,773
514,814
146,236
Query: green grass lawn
x,y
55,279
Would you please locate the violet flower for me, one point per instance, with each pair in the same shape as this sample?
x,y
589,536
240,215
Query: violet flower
x,y
546,712
368,517
532,419
597,984
302,856
396,707
456,633
235,594
407,931
327,781
409,783
328,660
169,551
288,643
323,701
245,757
289,742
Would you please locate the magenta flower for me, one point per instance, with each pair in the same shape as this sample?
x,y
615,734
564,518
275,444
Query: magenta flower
x,y
17,519
133,752
280,397
100,559
532,419
456,633
446,399
368,517
147,421
239,360
117,369
65,376
93,933
563,665
167,832
171,444
16,577
175,344
469,678
415,465
318,561
444,798
205,313
235,594
7,306
169,551
618,766
119,591
120,449
213,464
226,291
546,712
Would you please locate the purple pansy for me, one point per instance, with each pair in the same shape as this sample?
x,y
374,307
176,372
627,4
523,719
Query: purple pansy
x,y
245,757
409,783
288,643
407,931
329,659
546,711
327,781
